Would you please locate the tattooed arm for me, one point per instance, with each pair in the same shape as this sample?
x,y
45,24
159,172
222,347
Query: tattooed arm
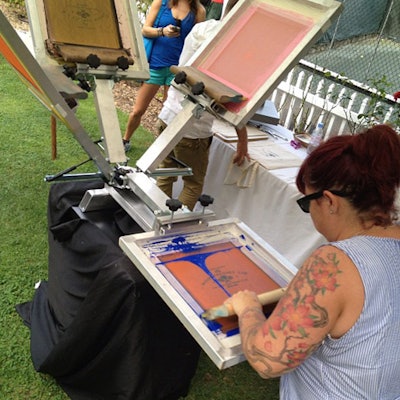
x,y
309,310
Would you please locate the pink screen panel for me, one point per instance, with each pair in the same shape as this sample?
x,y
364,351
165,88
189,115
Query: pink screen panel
x,y
254,47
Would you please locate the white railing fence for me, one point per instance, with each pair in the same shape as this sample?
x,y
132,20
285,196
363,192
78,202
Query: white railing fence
x,y
311,94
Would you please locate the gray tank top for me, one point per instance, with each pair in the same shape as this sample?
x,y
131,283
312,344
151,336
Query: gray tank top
x,y
365,362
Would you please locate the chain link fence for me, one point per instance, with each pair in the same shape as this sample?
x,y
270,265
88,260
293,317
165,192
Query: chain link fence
x,y
354,69
363,44
360,54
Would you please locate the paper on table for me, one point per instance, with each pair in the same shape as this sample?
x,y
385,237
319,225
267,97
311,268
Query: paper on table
x,y
227,132
273,156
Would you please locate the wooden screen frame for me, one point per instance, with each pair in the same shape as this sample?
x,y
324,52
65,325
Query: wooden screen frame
x,y
129,32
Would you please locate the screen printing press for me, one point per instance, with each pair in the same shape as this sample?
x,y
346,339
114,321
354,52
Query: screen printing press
x,y
193,260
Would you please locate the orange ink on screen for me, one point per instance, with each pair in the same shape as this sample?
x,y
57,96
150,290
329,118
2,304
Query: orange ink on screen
x,y
215,272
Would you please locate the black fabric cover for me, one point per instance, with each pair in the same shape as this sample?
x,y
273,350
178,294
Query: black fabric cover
x,y
97,326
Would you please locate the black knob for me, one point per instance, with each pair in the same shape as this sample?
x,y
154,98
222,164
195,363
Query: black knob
x,y
180,77
198,88
205,200
69,71
123,63
173,204
84,84
93,60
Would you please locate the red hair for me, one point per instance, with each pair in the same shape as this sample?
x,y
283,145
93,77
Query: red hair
x,y
366,165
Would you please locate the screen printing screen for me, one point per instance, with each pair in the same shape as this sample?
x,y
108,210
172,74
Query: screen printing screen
x,y
205,270
83,22
253,48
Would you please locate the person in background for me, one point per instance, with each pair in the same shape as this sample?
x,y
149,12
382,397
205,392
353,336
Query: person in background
x,y
166,50
335,332
214,9
193,148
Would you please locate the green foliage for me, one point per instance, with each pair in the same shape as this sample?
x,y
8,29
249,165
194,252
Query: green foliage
x,y
25,159
20,3
377,110
143,7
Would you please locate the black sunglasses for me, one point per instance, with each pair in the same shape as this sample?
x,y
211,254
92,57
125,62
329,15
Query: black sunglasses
x,y
304,202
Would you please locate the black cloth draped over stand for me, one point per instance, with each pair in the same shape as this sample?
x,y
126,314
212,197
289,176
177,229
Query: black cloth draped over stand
x,y
96,324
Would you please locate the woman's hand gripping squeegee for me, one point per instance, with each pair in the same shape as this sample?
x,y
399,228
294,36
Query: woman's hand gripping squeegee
x,y
225,311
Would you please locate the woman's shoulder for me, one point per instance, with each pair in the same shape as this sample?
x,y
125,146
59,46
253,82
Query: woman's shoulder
x,y
329,260
328,250
156,4
201,14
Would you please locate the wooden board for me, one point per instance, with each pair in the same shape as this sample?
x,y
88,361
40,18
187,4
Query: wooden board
x,y
78,54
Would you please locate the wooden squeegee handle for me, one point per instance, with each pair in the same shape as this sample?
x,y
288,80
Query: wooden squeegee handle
x,y
223,311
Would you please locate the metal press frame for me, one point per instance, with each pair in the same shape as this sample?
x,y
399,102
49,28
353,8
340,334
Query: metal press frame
x,y
134,188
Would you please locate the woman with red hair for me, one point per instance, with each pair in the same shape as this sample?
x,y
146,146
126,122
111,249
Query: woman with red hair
x,y
335,332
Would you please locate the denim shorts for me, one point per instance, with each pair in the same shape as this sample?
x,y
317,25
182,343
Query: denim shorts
x,y
161,76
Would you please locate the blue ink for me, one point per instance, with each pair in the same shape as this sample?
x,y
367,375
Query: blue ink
x,y
215,326
232,332
177,244
188,248
200,261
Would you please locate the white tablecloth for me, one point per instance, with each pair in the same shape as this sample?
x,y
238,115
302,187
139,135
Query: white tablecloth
x,y
268,206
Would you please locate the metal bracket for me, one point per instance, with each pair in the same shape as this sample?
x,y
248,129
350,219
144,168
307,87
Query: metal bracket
x,y
108,121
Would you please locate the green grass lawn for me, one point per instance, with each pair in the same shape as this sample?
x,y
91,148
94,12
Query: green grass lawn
x,y
25,159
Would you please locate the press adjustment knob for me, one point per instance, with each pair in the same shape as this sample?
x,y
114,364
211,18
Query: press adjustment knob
x,y
69,72
173,204
93,60
180,77
205,200
198,88
123,63
84,84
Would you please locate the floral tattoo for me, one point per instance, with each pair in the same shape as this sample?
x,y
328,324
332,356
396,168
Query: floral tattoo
x,y
286,336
